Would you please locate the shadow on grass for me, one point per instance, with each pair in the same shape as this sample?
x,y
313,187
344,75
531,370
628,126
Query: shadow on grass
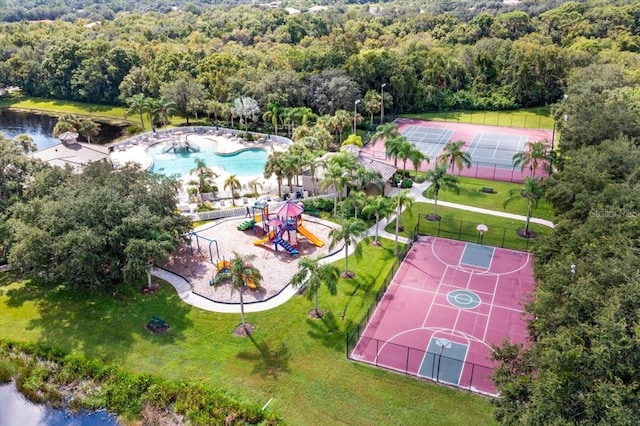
x,y
329,330
100,326
267,361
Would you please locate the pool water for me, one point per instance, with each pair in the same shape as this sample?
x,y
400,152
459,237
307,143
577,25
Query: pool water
x,y
247,162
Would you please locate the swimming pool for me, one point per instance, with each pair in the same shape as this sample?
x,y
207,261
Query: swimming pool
x,y
246,162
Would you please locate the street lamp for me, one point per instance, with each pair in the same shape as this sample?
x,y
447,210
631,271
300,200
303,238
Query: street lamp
x,y
573,270
355,114
444,344
382,103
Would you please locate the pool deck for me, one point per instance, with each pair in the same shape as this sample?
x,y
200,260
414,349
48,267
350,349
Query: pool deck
x,y
134,150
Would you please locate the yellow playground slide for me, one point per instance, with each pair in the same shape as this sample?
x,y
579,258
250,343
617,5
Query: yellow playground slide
x,y
314,240
266,239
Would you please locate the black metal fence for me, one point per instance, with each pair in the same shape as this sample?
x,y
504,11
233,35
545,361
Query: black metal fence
x,y
436,366
462,230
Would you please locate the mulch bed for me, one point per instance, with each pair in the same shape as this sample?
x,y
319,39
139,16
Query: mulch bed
x,y
155,286
245,331
524,234
155,329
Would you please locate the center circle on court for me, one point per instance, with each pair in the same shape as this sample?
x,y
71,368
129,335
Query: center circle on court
x,y
463,299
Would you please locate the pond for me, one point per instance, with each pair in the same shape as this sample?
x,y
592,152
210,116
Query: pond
x,y
15,410
40,128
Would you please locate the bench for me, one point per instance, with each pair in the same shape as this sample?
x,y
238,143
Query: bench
x,y
488,190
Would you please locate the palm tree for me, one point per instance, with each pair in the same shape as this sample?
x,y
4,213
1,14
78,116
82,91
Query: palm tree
x,y
385,131
341,119
272,114
275,165
417,157
26,143
246,108
88,129
358,199
530,191
137,104
241,273
453,155
334,176
311,272
66,123
441,180
393,145
534,154
401,199
310,159
381,207
363,179
405,150
234,185
160,110
351,230
205,176
255,184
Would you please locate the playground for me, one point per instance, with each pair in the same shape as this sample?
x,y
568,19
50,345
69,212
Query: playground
x,y
277,243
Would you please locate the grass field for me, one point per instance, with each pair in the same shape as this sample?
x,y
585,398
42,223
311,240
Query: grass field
x,y
532,118
461,225
297,361
471,195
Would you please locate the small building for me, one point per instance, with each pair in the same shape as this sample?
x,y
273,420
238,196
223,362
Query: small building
x,y
70,152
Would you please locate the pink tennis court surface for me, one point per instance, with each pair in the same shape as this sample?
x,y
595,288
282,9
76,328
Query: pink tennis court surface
x,y
448,302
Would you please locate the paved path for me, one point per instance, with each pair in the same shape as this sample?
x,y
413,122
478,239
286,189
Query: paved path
x,y
184,289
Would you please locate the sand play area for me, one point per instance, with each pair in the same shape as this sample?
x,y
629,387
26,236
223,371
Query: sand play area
x,y
277,268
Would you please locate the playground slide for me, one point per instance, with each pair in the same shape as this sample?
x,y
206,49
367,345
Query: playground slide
x,y
266,239
314,240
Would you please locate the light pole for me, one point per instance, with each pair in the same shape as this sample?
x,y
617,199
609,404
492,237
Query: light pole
x,y
573,270
355,114
382,103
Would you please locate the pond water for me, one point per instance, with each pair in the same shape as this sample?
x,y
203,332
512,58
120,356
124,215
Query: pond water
x,y
15,410
40,128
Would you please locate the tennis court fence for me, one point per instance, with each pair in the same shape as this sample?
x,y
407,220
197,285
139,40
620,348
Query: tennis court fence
x,y
424,364
498,172
462,230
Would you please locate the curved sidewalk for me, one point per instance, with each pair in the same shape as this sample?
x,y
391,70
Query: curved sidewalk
x,y
184,288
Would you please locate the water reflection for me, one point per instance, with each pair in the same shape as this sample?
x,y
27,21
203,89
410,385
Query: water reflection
x,y
40,128
15,410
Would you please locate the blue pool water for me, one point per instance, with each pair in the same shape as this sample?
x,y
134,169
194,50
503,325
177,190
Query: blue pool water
x,y
244,163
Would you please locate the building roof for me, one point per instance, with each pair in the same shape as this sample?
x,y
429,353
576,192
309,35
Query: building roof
x,y
74,154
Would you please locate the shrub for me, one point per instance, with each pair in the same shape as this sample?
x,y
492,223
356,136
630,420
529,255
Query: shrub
x,y
134,129
421,179
407,183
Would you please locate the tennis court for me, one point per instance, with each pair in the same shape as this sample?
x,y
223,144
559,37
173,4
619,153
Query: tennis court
x,y
429,141
496,148
448,303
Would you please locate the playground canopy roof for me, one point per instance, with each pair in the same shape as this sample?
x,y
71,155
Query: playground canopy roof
x,y
289,209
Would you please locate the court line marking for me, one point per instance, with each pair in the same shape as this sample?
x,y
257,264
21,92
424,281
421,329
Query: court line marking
x,y
484,336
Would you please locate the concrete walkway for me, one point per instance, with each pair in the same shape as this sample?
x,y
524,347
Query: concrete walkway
x,y
184,289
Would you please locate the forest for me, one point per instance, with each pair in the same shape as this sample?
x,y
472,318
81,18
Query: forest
x,y
323,60
581,58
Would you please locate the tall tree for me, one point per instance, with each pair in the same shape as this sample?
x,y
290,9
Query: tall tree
x,y
247,109
530,191
341,119
241,273
350,231
357,199
453,155
232,183
440,179
205,175
313,275
275,166
89,129
401,199
381,207
272,115
535,154
137,104
181,93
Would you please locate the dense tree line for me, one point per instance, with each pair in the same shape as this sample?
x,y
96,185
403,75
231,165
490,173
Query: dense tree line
x,y
581,366
324,60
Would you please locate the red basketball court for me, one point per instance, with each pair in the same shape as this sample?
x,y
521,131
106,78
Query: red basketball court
x,y
447,304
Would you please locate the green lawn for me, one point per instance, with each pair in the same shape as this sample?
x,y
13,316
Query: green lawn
x,y
533,118
298,361
461,225
471,195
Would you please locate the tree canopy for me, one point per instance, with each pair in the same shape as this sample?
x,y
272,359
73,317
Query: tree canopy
x,y
97,229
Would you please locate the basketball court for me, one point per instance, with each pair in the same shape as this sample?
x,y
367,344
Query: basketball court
x,y
448,303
